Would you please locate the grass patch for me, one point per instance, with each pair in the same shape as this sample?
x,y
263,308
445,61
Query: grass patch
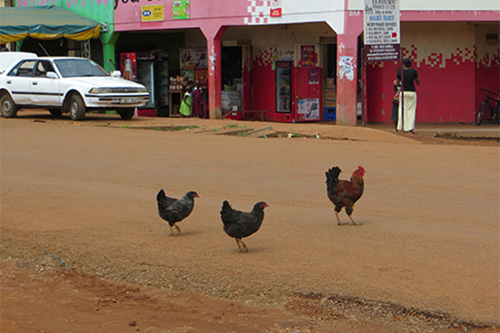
x,y
174,129
233,126
183,128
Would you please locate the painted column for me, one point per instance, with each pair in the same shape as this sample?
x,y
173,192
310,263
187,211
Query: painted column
x,y
347,68
108,50
347,77
213,34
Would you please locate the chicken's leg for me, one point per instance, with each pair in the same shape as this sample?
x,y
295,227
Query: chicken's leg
x,y
172,230
241,246
353,220
338,219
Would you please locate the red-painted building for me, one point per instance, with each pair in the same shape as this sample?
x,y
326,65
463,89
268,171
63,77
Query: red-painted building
x,y
300,58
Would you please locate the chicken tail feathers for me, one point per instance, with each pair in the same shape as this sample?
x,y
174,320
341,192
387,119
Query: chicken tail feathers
x,y
160,195
332,179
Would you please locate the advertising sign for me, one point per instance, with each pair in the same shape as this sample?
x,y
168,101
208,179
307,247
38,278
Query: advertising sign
x,y
382,29
128,65
308,55
382,52
194,58
275,8
382,22
153,13
313,75
308,109
382,32
181,10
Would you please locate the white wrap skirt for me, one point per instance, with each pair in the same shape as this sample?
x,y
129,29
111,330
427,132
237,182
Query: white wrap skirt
x,y
406,121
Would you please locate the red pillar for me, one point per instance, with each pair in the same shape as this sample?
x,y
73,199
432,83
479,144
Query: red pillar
x,y
347,78
213,34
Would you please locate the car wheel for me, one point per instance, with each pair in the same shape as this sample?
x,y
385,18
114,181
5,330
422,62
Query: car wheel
x,y
55,112
76,107
126,114
8,107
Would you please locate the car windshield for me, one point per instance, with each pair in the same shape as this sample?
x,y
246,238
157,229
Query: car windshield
x,y
79,67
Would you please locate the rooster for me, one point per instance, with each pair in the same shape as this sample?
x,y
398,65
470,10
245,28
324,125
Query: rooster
x,y
239,224
175,210
344,193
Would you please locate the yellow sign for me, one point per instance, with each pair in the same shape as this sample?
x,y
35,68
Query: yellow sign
x,y
153,13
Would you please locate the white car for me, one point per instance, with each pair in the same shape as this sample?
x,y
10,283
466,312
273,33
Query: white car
x,y
7,59
66,84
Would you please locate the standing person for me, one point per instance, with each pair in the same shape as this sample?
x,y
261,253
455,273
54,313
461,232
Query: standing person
x,y
410,77
395,103
197,101
186,104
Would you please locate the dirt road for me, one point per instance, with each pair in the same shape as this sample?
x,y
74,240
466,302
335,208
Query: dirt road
x,y
78,206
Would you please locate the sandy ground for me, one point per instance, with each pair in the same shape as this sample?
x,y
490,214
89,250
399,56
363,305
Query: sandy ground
x,y
83,248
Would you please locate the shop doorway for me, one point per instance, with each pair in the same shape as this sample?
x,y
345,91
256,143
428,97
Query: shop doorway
x,y
330,81
231,66
236,87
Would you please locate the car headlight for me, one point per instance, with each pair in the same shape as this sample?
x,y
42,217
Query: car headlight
x,y
101,90
143,90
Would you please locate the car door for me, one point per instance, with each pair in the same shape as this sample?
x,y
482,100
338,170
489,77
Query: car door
x,y
44,90
19,81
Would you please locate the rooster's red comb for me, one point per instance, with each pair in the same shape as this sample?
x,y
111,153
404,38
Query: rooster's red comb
x,y
361,168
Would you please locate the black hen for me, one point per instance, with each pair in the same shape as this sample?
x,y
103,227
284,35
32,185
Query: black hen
x,y
239,224
175,210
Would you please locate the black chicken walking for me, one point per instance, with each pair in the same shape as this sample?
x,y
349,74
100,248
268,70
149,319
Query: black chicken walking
x,y
175,210
238,224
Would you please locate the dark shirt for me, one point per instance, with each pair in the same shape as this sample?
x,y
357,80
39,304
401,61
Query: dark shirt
x,y
410,75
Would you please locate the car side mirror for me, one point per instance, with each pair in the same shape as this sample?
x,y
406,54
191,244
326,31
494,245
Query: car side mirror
x,y
52,75
116,74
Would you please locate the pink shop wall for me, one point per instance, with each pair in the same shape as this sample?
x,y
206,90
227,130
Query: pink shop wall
x,y
445,94
129,14
453,60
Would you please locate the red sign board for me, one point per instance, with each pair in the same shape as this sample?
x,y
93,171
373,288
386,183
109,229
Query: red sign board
x,y
275,12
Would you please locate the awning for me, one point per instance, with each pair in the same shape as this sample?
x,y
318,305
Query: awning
x,y
45,22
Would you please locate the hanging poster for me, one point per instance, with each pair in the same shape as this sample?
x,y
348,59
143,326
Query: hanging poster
x,y
188,74
308,109
193,58
181,10
308,56
128,65
313,74
201,76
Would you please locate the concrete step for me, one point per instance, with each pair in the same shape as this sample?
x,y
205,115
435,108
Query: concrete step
x,y
263,132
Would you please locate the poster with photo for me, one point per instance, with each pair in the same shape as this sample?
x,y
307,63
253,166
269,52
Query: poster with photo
x,y
193,58
181,10
308,56
308,109
201,76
